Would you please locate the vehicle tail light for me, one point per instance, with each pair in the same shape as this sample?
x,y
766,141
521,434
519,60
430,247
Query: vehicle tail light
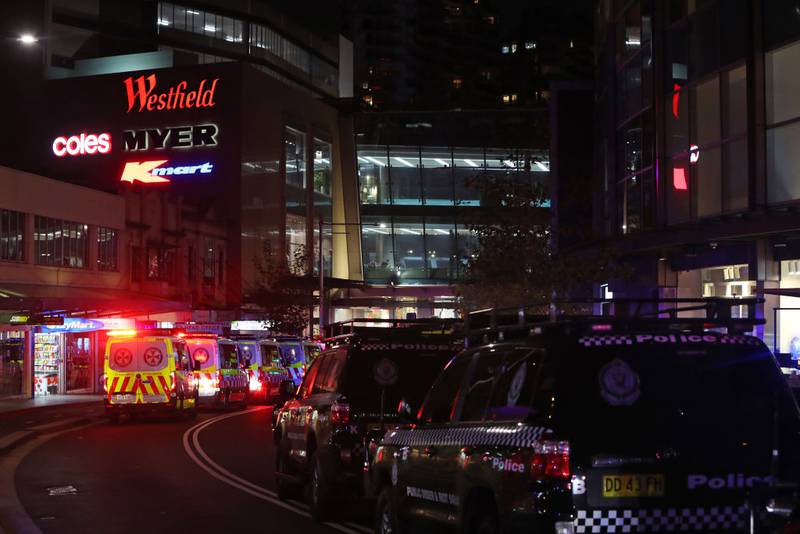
x,y
340,413
550,459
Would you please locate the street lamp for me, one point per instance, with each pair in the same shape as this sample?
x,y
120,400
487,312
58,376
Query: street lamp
x,y
27,39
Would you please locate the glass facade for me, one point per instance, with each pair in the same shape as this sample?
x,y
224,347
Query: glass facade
x,y
418,204
263,43
107,249
12,232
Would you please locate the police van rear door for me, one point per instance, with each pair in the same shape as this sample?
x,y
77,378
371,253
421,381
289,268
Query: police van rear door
x,y
668,421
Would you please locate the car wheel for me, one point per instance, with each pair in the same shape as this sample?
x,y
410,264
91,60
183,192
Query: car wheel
x,y
226,399
193,409
245,399
285,489
485,523
320,493
386,514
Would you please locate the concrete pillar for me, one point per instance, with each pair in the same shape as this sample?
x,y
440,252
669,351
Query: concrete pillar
x,y
766,273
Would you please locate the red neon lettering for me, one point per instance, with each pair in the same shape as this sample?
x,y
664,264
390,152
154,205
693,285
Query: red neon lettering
x,y
676,100
141,95
82,144
679,179
140,171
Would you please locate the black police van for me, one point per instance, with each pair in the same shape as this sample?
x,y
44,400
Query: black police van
x,y
348,399
581,426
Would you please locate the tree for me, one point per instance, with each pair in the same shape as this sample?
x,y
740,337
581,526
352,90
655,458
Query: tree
x,y
513,261
284,301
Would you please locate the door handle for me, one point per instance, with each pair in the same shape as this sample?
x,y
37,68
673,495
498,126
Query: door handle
x,y
430,451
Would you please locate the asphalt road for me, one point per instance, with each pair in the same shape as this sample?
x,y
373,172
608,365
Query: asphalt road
x,y
213,474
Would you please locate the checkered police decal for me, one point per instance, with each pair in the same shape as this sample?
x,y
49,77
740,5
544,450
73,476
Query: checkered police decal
x,y
602,341
658,520
512,435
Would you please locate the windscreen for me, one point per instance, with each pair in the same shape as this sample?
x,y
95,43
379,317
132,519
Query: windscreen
x,y
204,351
137,356
228,356
408,368
292,353
709,397
249,353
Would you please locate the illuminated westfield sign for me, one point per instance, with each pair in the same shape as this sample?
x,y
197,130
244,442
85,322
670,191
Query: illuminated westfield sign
x,y
142,95
82,144
153,172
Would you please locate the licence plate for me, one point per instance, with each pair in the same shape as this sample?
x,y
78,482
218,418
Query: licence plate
x,y
620,486
123,398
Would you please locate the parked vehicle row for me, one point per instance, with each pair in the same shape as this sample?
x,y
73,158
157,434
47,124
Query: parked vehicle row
x,y
176,372
574,426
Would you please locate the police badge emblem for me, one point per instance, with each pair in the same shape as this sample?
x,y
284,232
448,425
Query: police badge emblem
x,y
619,383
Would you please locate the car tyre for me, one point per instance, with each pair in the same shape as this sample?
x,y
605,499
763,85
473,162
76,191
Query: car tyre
x,y
386,521
285,489
245,399
320,491
226,400
193,410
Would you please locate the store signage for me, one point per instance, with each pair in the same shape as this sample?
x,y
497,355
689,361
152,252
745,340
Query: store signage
x,y
143,97
19,319
81,145
152,172
73,324
173,137
22,319
52,321
694,154
679,179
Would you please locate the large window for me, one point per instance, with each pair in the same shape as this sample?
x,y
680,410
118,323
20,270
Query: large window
x,y
107,249
201,22
373,175
783,123
61,243
12,232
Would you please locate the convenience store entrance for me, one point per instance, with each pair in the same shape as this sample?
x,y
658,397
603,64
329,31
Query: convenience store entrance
x,y
62,363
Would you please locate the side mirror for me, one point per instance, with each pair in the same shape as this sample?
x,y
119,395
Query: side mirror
x,y
196,366
404,413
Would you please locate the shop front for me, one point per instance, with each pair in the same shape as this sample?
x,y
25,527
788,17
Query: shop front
x,y
68,358
12,363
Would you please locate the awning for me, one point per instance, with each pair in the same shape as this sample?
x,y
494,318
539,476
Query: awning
x,y
85,300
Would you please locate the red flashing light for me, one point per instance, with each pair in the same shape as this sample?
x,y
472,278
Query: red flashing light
x,y
679,179
601,327
121,333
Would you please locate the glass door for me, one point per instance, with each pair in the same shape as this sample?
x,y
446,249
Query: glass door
x,y
78,356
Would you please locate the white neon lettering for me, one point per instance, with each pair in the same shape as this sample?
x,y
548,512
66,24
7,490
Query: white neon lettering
x,y
83,144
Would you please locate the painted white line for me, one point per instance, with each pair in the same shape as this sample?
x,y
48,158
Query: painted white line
x,y
360,528
55,424
191,438
10,439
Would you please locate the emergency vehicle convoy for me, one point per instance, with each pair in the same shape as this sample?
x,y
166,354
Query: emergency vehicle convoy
x,y
326,434
222,376
268,377
589,425
148,373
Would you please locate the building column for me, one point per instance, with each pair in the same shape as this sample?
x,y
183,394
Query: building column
x,y
767,274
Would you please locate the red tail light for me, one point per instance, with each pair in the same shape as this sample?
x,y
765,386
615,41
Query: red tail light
x,y
340,413
550,459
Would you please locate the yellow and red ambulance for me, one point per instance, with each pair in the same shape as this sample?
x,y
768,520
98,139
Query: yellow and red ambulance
x,y
223,378
148,372
267,374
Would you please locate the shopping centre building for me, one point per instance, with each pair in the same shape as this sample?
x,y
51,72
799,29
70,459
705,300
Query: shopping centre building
x,y
698,176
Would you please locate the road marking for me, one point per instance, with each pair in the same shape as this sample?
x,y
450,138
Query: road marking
x,y
10,439
55,424
191,444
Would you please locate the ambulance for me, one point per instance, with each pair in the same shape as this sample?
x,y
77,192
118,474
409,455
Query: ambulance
x,y
293,357
267,375
148,373
223,377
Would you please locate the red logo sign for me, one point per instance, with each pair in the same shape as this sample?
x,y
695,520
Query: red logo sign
x,y
143,97
82,144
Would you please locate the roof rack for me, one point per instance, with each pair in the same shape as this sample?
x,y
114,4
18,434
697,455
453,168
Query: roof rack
x,y
431,325
704,313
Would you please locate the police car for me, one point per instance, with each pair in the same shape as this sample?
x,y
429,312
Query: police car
x,y
586,427
326,434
